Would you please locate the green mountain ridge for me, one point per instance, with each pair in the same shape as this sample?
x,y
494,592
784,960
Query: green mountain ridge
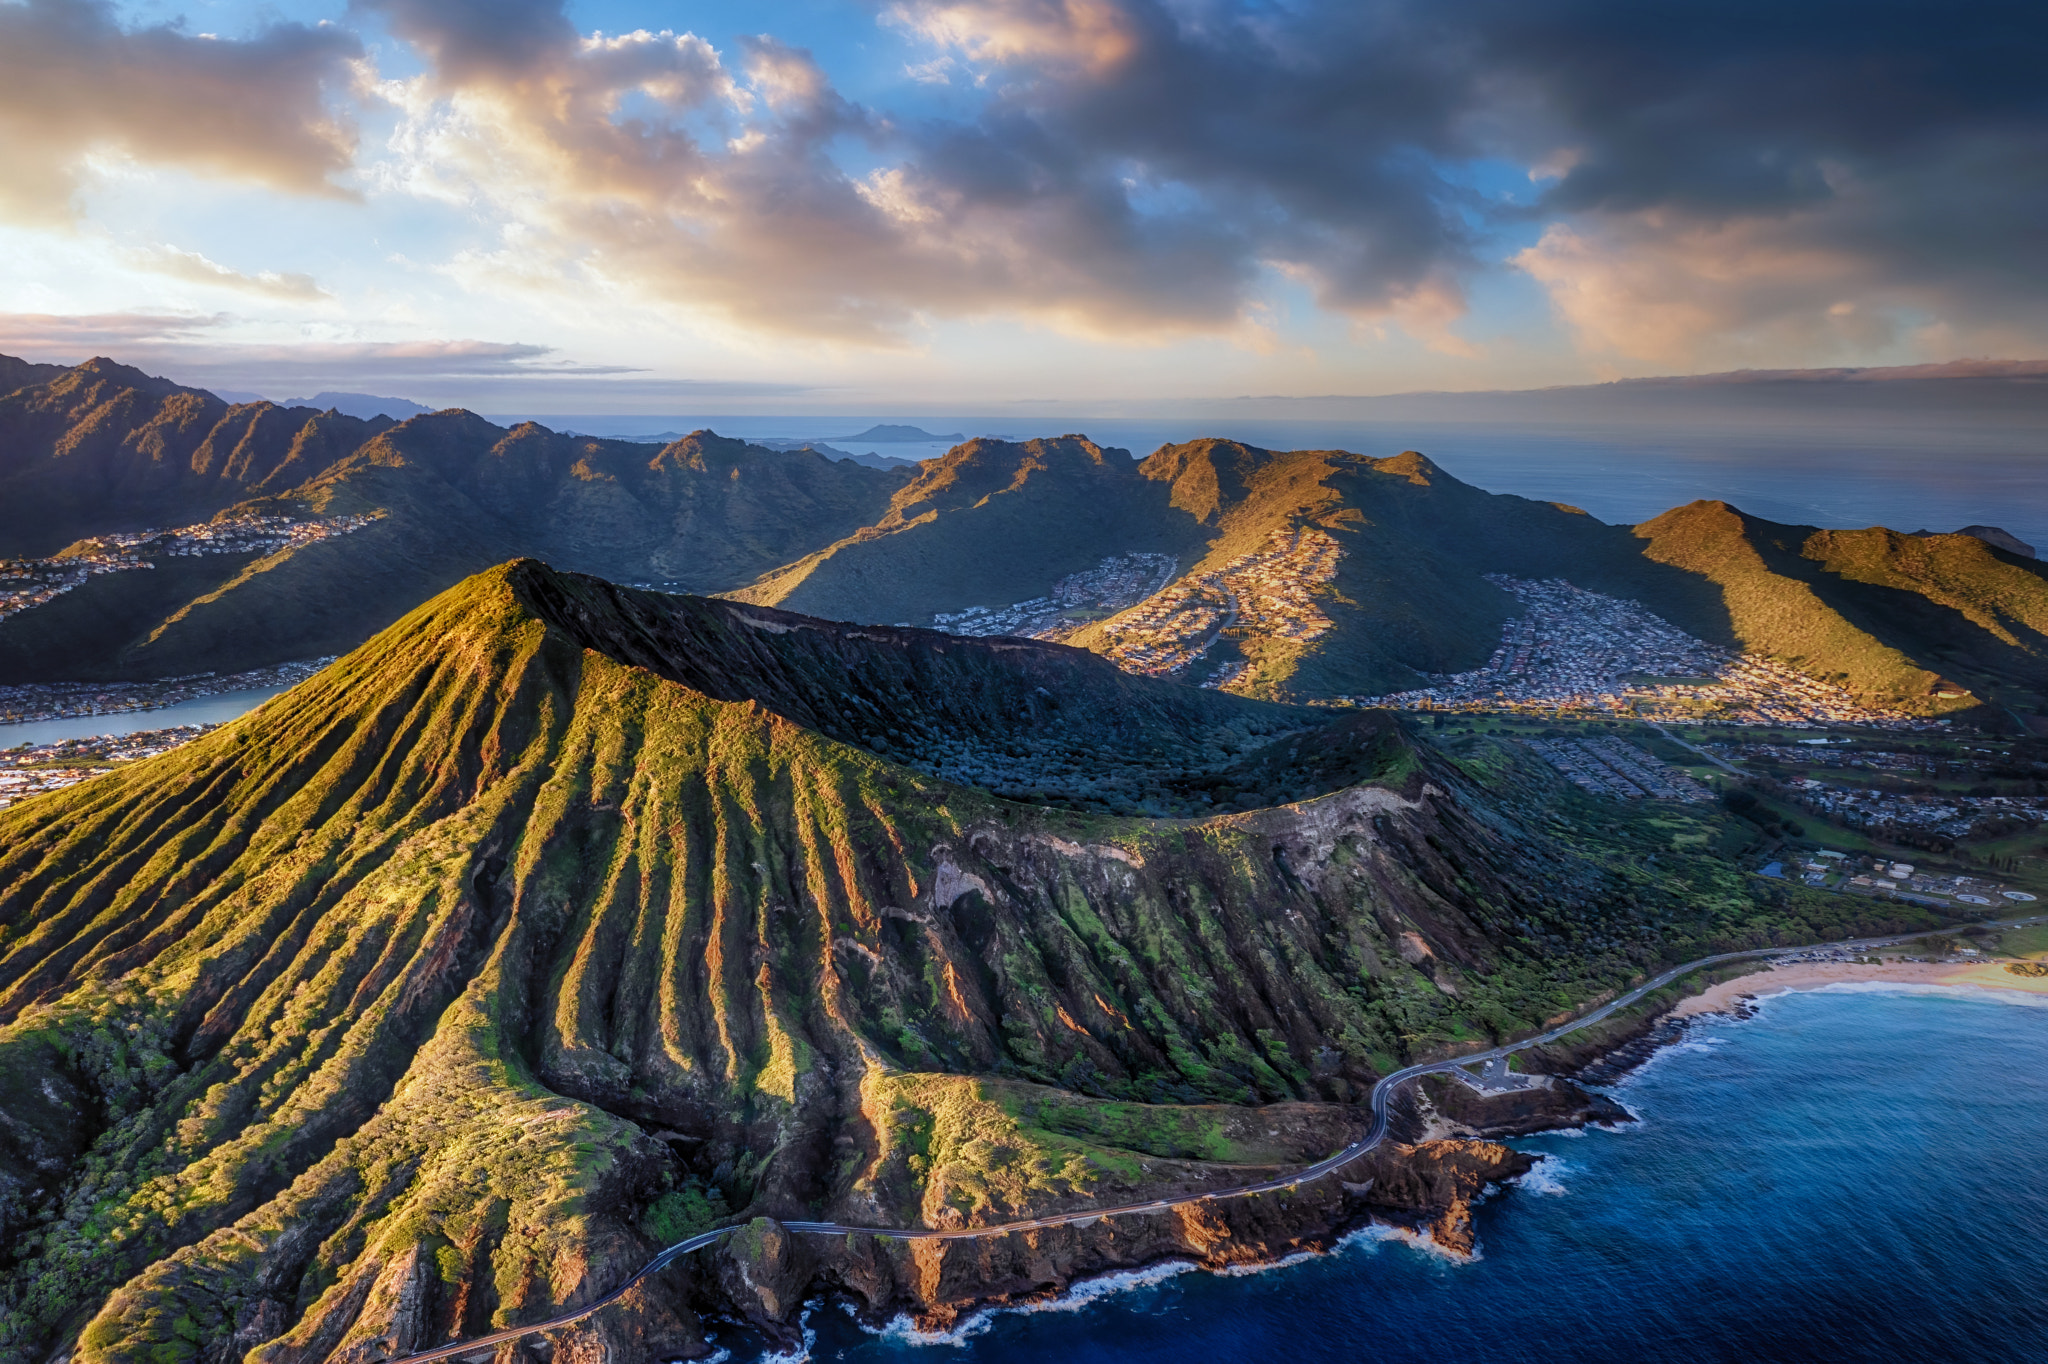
x,y
1897,620
1927,624
976,527
555,921
105,448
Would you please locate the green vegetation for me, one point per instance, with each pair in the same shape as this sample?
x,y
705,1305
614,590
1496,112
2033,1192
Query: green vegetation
x,y
2031,941
561,918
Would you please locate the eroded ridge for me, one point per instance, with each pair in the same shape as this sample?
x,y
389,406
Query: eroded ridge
x,y
555,926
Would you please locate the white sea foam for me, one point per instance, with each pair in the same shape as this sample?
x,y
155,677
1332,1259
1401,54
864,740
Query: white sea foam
x,y
802,1353
1284,1262
1544,1177
1078,1296
1372,1237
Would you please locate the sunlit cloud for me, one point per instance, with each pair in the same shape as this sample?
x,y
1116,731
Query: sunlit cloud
x,y
194,268
74,84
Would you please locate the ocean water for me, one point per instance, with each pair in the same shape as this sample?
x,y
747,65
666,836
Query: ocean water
x,y
1853,1175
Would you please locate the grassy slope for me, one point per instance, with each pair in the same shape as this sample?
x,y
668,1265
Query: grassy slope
x,y
379,996
991,523
1892,617
458,495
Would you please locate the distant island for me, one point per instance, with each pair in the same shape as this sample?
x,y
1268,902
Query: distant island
x,y
871,459
363,405
886,433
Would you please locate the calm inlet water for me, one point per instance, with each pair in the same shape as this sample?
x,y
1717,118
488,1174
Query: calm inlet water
x,y
1851,1176
203,710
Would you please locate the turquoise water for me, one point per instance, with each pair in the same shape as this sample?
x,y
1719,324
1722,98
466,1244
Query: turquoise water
x,y
1849,1176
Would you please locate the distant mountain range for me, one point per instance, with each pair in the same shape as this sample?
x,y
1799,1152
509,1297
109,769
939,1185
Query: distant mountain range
x,y
103,448
364,405
1931,623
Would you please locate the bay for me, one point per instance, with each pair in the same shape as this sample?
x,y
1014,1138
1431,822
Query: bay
x,y
200,710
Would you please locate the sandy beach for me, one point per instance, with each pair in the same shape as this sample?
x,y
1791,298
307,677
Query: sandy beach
x,y
1812,975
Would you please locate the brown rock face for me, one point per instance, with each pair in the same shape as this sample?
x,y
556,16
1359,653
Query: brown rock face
x,y
1434,1184
767,1274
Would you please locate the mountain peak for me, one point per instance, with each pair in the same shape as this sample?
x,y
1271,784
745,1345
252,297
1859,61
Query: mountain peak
x,y
986,466
101,370
1993,535
1414,466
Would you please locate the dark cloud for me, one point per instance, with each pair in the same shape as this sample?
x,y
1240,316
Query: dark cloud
x,y
1744,175
473,40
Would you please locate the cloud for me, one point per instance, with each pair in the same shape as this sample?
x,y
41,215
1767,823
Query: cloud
x,y
1752,183
38,333
1767,182
1101,189
194,268
74,83
190,346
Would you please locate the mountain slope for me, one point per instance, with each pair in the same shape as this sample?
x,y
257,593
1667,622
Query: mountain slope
x,y
102,448
991,522
554,922
1408,593
1900,619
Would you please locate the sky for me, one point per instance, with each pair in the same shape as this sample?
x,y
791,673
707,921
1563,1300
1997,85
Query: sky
x,y
790,205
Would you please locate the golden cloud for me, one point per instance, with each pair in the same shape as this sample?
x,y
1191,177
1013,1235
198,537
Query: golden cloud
x,y
74,84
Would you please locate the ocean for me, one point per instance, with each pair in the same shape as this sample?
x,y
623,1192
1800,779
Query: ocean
x,y
1854,1174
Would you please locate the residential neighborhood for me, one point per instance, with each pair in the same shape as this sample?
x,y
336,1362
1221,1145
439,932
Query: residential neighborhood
x,y
70,700
1575,652
29,583
1120,581
1269,593
1608,766
32,769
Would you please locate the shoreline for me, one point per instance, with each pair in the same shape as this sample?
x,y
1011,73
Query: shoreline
x,y
1228,1231
1724,997
1815,975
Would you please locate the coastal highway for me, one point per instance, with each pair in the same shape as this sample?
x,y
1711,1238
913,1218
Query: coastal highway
x,y
1382,1096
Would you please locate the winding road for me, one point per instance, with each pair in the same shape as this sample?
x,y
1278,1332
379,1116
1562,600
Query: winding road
x,y
1382,1096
